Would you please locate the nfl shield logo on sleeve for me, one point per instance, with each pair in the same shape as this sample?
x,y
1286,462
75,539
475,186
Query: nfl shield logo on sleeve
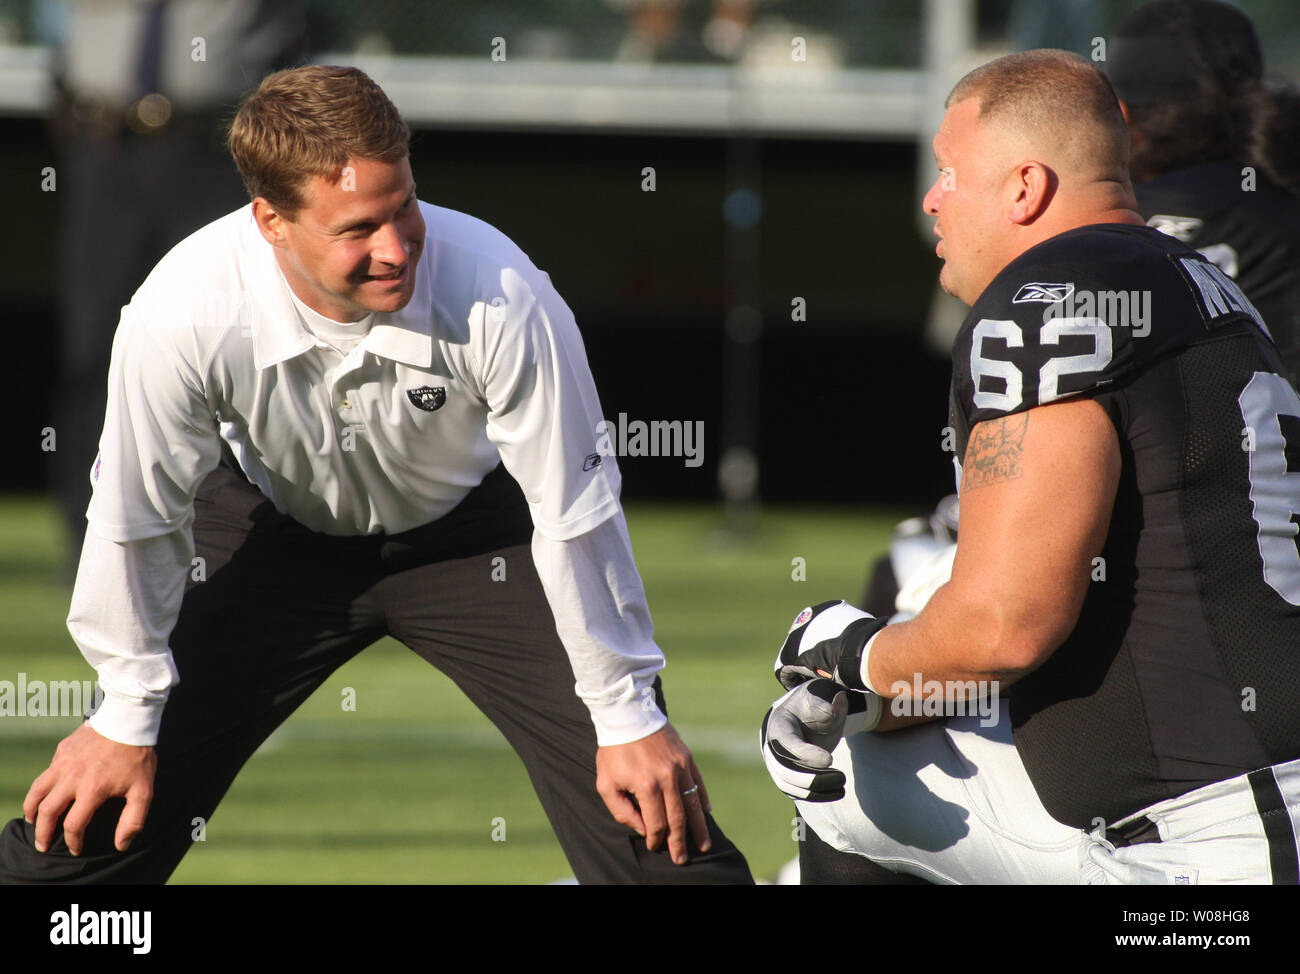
x,y
801,618
427,398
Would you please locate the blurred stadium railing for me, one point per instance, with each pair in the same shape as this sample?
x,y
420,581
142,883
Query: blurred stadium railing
x,y
584,64
691,65
841,69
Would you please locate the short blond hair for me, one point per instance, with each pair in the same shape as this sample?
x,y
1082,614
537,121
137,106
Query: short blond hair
x,y
1053,90
310,121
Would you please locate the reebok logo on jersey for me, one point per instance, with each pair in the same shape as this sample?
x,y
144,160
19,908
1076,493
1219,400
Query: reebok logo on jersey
x,y
591,461
427,398
1182,228
1037,291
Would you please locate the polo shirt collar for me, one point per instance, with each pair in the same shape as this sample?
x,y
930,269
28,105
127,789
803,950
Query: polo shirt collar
x,y
407,335
278,333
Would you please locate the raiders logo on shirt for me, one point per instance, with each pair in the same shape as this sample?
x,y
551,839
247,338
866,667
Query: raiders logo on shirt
x,y
428,398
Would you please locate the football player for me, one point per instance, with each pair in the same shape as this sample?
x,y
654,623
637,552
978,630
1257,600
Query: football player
x,y
1111,658
1210,165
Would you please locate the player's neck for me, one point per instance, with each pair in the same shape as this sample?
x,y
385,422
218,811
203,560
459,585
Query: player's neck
x,y
1106,201
1054,224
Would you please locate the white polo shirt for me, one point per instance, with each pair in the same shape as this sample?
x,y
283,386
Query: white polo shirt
x,y
484,365
212,348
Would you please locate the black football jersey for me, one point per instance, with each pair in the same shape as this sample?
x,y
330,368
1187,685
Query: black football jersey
x,y
1184,666
1247,226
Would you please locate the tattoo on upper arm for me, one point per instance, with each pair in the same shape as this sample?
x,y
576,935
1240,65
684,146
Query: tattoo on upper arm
x,y
993,453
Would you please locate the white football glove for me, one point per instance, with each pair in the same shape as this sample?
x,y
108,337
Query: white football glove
x,y
827,639
804,727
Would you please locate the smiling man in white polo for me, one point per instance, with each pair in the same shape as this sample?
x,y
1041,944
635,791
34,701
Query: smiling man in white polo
x,y
333,397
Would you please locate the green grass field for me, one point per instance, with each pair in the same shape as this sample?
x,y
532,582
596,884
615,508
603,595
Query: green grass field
x,y
406,788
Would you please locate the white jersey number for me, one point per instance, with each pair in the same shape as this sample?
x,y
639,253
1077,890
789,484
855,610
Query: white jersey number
x,y
1049,376
1274,490
980,366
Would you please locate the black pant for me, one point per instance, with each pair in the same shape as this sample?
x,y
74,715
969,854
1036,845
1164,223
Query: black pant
x,y
283,607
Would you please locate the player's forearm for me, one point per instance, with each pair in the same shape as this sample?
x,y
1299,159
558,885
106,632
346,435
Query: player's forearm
x,y
595,593
124,605
963,659
959,639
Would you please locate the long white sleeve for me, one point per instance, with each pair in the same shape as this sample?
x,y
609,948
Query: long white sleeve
x,y
124,605
595,592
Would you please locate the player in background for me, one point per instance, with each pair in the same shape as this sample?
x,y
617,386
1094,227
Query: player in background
x,y
1112,660
1216,148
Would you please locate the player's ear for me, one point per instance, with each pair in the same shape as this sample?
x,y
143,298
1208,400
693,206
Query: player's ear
x,y
1030,188
269,221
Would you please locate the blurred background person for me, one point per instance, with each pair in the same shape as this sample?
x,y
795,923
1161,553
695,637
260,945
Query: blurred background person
x,y
142,87
1216,148
654,29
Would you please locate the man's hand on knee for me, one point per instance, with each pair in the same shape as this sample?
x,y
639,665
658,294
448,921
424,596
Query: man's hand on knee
x,y
86,770
654,788
804,727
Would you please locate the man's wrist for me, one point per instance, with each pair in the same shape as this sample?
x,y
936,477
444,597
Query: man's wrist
x,y
851,666
864,663
865,710
127,720
627,720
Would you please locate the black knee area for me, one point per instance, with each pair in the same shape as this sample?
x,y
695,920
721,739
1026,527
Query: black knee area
x,y
823,865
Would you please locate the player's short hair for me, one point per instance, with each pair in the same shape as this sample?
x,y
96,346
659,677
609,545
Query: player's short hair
x,y
1056,91
310,121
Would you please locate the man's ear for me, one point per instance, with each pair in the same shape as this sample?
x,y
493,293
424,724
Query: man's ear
x,y
270,221
1030,188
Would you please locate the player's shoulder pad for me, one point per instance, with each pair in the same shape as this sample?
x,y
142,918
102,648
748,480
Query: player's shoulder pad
x,y
1076,315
